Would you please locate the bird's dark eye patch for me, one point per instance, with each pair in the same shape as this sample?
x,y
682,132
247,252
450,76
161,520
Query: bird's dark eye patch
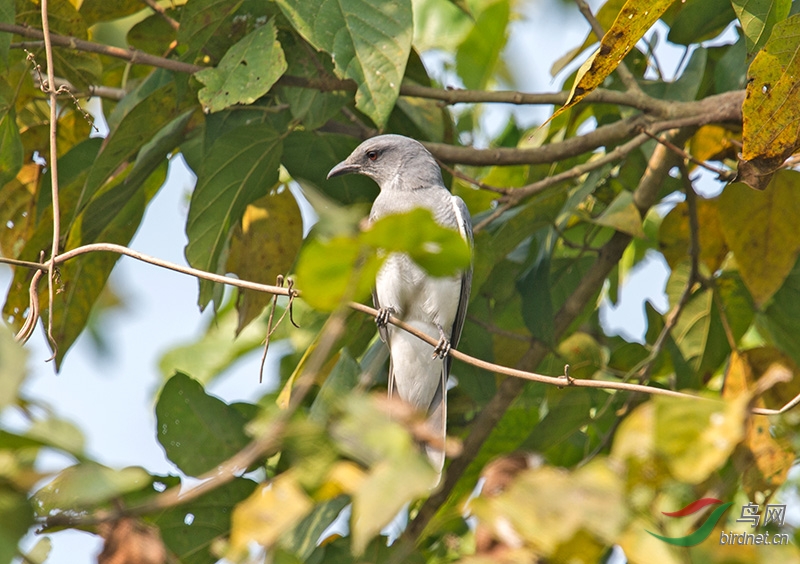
x,y
372,155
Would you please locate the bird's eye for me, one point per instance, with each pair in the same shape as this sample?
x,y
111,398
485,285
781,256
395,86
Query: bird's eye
x,y
372,155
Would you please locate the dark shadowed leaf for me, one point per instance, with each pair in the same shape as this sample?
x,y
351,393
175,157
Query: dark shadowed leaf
x,y
240,167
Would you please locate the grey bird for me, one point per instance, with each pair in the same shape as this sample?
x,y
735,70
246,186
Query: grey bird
x,y
409,178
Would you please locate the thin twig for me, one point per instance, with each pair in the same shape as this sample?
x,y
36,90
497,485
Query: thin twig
x,y
279,283
163,13
722,174
53,165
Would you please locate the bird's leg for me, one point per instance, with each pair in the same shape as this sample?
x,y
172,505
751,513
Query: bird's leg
x,y
383,316
443,346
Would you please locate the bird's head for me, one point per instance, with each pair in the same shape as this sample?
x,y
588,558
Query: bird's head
x,y
393,161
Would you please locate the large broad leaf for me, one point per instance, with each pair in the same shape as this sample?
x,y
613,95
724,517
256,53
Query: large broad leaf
x,y
196,430
771,126
780,320
479,54
757,18
697,437
240,167
246,72
83,278
16,516
635,18
699,20
369,43
761,230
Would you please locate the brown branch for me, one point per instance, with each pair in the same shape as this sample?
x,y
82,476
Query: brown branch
x,y
163,13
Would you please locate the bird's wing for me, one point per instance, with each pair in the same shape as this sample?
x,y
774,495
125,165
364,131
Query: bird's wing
x,y
465,229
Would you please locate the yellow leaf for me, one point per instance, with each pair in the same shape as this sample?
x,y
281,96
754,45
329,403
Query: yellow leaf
x,y
635,18
761,230
713,143
274,508
264,246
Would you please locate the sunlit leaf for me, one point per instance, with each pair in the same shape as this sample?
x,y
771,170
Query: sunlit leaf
x,y
674,236
88,484
635,18
622,215
369,44
246,72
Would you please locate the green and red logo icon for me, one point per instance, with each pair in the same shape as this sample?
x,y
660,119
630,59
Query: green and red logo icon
x,y
704,530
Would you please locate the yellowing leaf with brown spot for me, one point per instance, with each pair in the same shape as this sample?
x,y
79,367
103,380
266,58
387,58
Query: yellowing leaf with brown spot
x,y
761,228
264,246
635,18
771,113
762,460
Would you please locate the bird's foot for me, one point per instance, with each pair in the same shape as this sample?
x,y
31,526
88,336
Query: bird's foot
x,y
383,316
443,346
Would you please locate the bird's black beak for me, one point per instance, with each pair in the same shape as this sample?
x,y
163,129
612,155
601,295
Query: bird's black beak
x,y
342,168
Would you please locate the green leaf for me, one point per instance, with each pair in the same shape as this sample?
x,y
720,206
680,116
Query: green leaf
x,y
780,320
438,250
758,18
16,516
87,485
479,54
7,15
697,437
136,128
200,20
12,367
191,541
622,215
196,430
770,125
246,72
240,167
11,150
439,24
699,20
686,87
761,230
309,155
369,43
94,11
342,379
326,271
